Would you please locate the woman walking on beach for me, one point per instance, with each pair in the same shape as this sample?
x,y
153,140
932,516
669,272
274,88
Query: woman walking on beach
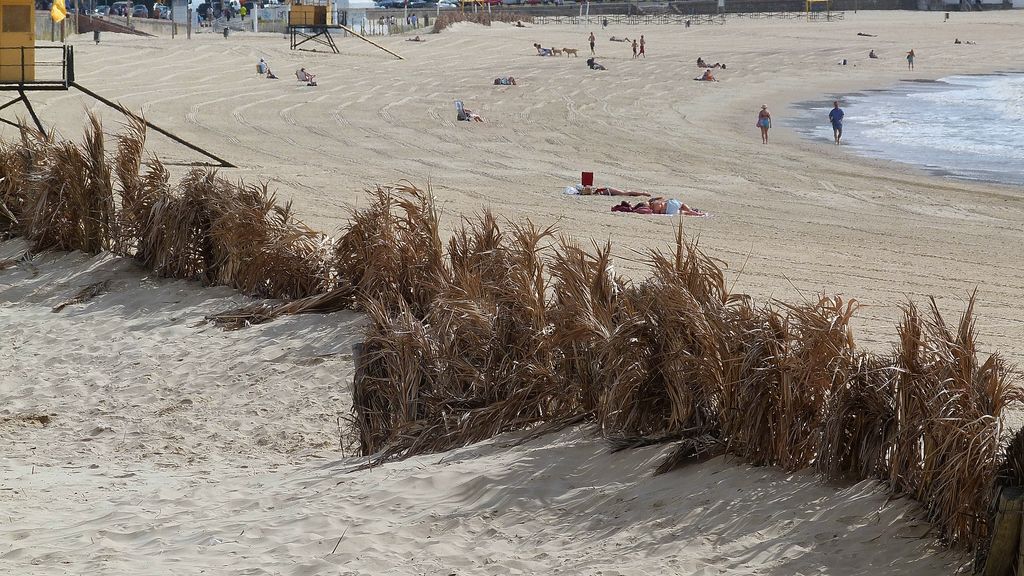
x,y
634,48
592,43
764,122
910,59
642,44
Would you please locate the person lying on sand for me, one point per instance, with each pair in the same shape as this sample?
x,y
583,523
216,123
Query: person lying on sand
x,y
707,77
659,205
505,81
671,206
617,39
868,35
519,24
416,39
593,65
702,64
606,191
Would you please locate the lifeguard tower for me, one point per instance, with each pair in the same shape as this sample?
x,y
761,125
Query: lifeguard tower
x,y
25,67
18,55
313,20
819,8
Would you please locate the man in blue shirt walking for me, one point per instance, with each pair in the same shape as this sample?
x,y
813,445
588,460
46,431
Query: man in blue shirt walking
x,y
836,118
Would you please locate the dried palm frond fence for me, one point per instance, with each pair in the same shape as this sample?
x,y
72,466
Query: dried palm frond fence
x,y
514,327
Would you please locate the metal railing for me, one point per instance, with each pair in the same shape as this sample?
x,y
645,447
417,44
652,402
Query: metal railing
x,y
52,67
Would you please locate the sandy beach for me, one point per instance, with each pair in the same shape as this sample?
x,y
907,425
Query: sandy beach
x,y
142,440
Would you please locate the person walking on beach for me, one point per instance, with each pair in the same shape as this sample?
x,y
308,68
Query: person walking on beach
x,y
910,59
764,122
836,118
592,40
642,44
634,48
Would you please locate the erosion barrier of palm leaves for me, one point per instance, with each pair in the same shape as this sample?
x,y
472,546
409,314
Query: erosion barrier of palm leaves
x,y
507,326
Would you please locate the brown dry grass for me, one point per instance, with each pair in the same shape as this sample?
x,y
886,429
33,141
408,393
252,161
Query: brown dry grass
x,y
510,327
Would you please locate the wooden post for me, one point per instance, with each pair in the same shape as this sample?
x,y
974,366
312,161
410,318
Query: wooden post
x,y
1006,534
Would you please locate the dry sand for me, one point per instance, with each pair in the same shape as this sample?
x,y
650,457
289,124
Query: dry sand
x,y
173,447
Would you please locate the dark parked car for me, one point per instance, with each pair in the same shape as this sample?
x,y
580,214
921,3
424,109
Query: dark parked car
x,y
140,11
162,12
102,11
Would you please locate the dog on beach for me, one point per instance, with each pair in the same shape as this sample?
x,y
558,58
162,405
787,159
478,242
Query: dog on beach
x,y
574,51
556,52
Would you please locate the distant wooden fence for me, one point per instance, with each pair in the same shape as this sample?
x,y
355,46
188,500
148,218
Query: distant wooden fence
x,y
684,19
634,19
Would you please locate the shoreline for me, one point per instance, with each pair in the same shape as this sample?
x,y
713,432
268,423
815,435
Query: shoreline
x,y
806,127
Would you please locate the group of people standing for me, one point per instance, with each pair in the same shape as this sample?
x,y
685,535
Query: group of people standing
x,y
639,45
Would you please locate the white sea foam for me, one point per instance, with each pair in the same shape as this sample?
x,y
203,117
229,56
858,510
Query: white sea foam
x,y
966,126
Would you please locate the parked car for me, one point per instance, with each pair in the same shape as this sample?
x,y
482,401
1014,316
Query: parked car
x,y
119,9
101,11
162,12
140,11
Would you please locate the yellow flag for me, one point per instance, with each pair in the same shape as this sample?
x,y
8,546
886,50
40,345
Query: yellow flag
x,y
58,12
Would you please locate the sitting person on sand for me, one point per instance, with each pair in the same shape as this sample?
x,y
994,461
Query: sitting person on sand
x,y
262,67
872,54
707,77
593,65
519,24
270,75
306,77
505,81
541,51
468,115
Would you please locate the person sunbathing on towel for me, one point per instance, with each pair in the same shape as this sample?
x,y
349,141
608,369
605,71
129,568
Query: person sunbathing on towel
x,y
505,81
416,39
659,205
606,191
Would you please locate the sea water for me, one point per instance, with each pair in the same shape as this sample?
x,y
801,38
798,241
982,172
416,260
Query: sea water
x,y
969,127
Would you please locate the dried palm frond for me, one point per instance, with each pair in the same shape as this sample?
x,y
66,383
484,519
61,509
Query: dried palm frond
x,y
691,450
84,295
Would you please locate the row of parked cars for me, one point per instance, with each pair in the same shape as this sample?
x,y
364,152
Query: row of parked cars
x,y
453,3
122,8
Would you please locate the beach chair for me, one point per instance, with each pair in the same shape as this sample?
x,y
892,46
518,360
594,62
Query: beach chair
x,y
461,111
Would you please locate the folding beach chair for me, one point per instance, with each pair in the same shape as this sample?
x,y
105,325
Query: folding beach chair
x,y
461,110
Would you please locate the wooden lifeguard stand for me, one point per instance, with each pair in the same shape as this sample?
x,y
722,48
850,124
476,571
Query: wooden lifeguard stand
x,y
25,67
17,41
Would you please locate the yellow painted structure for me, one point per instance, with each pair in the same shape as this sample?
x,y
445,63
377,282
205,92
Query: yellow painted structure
x,y
310,13
17,41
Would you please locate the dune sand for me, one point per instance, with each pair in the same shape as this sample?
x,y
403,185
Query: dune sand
x,y
141,440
